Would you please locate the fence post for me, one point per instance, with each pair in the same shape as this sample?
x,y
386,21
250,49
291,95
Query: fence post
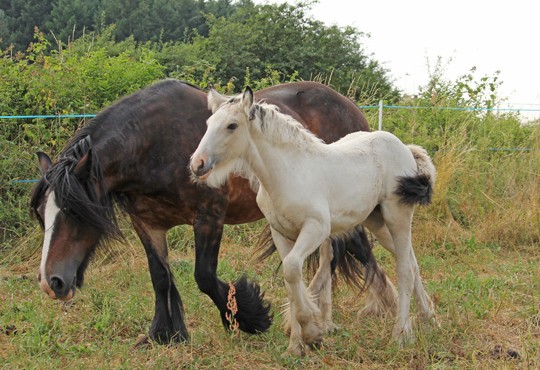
x,y
380,114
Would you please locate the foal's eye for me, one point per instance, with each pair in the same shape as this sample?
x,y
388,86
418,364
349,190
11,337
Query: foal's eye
x,y
232,126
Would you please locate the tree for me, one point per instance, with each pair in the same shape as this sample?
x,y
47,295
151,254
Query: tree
x,y
283,38
20,19
69,19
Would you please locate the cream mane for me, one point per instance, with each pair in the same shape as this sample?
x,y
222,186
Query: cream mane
x,y
283,129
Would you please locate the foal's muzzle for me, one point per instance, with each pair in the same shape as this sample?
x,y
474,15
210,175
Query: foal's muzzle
x,y
201,167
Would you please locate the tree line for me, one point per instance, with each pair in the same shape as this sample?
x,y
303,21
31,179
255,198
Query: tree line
x,y
146,20
215,39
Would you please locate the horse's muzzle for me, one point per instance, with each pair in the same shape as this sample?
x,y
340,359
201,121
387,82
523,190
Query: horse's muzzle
x,y
56,288
201,168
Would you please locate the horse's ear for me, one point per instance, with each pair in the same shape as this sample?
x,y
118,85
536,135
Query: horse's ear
x,y
215,100
247,99
44,162
83,169
253,111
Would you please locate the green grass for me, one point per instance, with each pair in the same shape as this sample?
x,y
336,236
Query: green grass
x,y
487,302
478,247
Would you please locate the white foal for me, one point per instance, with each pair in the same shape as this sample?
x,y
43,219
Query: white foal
x,y
310,191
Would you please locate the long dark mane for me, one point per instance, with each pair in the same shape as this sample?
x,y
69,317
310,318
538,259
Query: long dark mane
x,y
82,198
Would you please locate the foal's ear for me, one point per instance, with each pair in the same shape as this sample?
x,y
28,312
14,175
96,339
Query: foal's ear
x,y
253,111
83,169
44,162
247,99
215,100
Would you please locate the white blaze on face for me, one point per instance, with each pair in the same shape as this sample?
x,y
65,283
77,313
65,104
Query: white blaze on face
x,y
51,210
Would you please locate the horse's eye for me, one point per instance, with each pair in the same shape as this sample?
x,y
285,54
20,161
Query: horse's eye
x,y
232,126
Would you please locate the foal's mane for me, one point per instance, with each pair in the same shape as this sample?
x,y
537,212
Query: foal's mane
x,y
282,128
83,199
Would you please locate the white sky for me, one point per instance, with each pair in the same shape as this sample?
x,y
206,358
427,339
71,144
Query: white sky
x,y
491,35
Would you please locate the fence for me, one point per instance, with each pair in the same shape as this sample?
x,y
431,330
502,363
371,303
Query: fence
x,y
381,107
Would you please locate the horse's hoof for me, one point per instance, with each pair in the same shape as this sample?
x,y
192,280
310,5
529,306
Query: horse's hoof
x,y
330,327
294,351
403,336
167,337
316,345
312,334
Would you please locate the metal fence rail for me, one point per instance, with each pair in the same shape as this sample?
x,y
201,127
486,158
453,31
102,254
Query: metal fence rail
x,y
381,106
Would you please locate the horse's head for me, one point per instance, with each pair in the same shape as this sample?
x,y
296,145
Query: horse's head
x,y
64,201
227,137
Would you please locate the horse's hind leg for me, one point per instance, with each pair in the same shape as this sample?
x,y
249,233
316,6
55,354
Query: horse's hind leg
x,y
382,295
398,218
375,223
253,315
168,324
321,286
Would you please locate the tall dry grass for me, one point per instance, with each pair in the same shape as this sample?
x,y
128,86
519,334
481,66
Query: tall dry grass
x,y
485,190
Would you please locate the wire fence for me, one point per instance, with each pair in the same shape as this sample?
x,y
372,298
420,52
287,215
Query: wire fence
x,y
381,107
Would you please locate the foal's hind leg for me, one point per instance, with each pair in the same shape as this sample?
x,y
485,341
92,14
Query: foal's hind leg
x,y
398,218
321,286
375,223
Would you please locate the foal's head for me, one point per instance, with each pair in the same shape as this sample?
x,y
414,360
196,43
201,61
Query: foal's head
x,y
226,139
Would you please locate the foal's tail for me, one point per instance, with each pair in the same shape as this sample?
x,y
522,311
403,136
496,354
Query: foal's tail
x,y
418,189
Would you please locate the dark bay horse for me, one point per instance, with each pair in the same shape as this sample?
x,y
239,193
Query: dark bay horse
x,y
135,155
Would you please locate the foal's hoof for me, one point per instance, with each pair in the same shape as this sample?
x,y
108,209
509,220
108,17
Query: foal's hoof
x,y
296,350
403,336
312,335
316,345
330,327
142,342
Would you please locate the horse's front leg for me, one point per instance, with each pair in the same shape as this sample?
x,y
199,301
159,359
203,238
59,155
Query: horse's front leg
x,y
292,327
321,286
168,324
306,312
253,315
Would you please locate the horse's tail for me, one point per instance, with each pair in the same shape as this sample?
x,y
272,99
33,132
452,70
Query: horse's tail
x,y
353,257
423,162
418,189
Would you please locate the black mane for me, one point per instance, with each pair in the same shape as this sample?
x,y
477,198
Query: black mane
x,y
82,198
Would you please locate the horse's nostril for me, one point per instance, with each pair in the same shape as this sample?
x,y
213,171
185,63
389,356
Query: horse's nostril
x,y
201,167
57,285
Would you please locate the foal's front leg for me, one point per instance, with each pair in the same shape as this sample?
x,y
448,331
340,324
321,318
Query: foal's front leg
x,y
321,286
296,345
307,313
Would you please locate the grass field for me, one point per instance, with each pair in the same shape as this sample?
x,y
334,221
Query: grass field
x,y
477,244
487,301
